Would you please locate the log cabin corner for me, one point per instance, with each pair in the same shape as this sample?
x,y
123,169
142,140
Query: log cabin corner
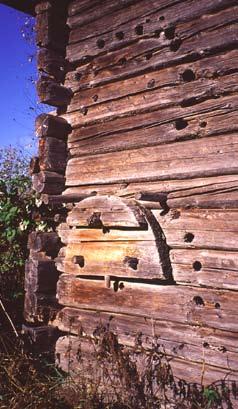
x,y
140,162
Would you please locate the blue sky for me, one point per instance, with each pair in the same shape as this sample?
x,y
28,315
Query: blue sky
x,y
18,100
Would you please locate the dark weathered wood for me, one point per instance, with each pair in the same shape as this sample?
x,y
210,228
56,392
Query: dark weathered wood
x,y
105,40
40,308
48,182
134,60
52,126
52,155
41,276
158,163
184,95
51,93
51,29
183,304
51,63
192,343
48,242
197,113
40,339
192,372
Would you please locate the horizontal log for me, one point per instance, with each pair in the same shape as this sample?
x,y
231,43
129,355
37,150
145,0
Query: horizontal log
x,y
52,155
217,269
192,343
61,199
135,30
185,95
157,163
194,306
129,190
47,242
51,63
51,93
77,236
187,370
48,182
186,45
201,126
52,126
121,259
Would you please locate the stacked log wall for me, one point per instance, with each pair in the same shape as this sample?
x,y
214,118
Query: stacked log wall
x,y
150,93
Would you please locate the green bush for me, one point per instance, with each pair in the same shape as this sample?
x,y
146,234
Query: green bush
x,y
17,202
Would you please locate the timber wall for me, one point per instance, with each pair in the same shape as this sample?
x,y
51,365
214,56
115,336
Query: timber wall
x,y
143,148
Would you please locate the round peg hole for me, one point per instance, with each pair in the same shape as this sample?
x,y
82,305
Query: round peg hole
x,y
188,237
217,305
197,265
120,35
161,18
175,45
188,75
181,124
100,43
169,32
139,30
198,300
203,124
95,98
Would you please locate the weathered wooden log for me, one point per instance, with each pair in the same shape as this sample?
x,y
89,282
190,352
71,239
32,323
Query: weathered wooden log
x,y
41,276
40,339
52,155
190,305
158,162
61,199
185,369
51,63
193,343
184,95
48,182
51,93
181,192
40,308
119,259
122,35
47,125
51,29
48,242
210,268
34,165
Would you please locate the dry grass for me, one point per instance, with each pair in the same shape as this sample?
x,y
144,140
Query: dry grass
x,y
118,379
